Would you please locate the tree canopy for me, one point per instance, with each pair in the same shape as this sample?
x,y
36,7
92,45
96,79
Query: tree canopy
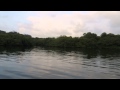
x,y
88,40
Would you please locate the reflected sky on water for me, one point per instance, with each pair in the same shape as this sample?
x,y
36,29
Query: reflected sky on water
x,y
52,63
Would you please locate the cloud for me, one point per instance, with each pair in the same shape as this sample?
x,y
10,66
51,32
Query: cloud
x,y
55,23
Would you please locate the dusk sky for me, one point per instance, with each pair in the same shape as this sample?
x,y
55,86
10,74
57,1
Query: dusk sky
x,y
56,23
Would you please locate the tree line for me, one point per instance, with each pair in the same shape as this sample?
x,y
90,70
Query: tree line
x,y
88,40
15,39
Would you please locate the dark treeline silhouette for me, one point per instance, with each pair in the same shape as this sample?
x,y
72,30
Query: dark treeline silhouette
x,y
88,40
15,39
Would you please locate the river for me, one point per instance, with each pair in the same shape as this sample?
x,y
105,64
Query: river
x,y
56,63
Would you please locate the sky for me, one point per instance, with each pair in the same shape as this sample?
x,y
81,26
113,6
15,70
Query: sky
x,y
55,23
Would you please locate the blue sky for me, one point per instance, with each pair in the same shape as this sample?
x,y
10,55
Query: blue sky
x,y
56,23
9,19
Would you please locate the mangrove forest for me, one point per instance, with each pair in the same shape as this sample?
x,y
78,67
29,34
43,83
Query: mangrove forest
x,y
87,40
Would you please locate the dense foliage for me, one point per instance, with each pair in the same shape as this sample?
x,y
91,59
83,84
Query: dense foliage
x,y
88,40
15,39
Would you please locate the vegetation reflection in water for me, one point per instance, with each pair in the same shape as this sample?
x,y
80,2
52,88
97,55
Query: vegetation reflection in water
x,y
93,56
92,59
87,52
15,50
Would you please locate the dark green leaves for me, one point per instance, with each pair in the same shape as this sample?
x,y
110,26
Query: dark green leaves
x,y
88,40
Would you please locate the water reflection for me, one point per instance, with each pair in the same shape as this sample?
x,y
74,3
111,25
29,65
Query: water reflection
x,y
87,53
15,50
104,60
45,62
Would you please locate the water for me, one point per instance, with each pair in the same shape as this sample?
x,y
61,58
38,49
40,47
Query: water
x,y
56,63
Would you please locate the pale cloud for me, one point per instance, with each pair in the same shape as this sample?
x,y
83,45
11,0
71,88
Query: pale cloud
x,y
53,24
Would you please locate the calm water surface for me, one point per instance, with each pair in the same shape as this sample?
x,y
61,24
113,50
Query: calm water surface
x,y
55,63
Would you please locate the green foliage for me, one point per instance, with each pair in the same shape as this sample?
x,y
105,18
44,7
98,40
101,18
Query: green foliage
x,y
88,40
15,39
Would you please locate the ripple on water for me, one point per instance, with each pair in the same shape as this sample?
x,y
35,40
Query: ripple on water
x,y
45,63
